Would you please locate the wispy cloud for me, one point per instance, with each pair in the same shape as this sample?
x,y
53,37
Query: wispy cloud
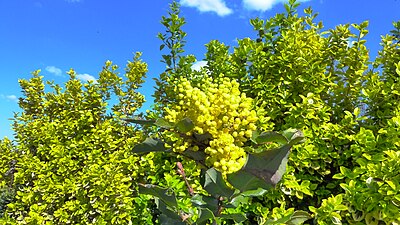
x,y
217,6
198,65
86,77
73,1
263,5
12,98
54,70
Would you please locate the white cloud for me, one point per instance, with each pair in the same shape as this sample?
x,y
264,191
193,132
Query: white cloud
x,y
217,6
12,98
73,1
86,77
54,70
198,65
263,5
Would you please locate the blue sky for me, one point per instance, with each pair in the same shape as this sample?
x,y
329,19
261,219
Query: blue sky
x,y
56,35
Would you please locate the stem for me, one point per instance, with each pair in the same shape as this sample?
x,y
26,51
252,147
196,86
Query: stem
x,y
219,209
181,171
220,206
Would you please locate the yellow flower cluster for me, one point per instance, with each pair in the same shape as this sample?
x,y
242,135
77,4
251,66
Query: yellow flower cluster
x,y
219,109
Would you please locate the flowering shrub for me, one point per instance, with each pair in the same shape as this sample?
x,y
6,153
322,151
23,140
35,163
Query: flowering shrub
x,y
206,152
218,110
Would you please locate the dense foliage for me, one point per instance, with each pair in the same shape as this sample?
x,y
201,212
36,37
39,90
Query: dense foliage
x,y
73,163
201,155
323,83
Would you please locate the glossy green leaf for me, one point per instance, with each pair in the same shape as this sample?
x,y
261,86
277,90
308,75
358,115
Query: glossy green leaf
x,y
298,217
237,217
185,125
203,201
149,145
199,156
294,136
269,165
269,136
166,220
205,215
160,122
164,194
213,183
245,181
254,193
202,137
167,217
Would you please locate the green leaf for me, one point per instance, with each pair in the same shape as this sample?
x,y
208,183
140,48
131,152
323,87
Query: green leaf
x,y
340,207
166,220
167,215
236,201
195,155
202,137
398,67
294,136
356,111
185,125
391,184
205,215
269,136
237,217
287,7
338,176
163,123
149,145
245,181
254,193
207,206
346,172
208,202
268,166
213,183
298,217
163,194
162,46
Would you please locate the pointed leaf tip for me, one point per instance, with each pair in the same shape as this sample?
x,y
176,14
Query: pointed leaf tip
x,y
269,136
214,183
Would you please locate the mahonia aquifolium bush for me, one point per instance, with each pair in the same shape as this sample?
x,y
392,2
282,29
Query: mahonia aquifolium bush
x,y
217,108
